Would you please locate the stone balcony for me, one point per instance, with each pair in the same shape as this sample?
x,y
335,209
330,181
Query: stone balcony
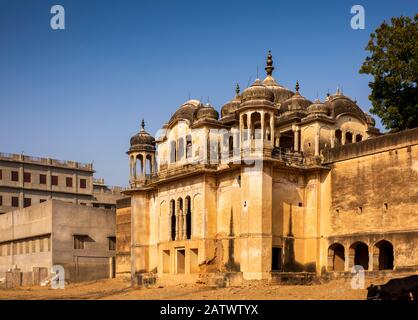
x,y
224,160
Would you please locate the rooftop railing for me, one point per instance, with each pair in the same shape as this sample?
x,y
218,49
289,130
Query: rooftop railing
x,y
45,161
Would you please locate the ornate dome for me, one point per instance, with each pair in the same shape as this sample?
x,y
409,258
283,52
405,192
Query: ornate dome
x,y
187,111
369,119
142,140
318,108
340,103
296,102
257,91
280,93
233,105
207,112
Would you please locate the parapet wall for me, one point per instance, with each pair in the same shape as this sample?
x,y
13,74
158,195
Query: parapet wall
x,y
373,145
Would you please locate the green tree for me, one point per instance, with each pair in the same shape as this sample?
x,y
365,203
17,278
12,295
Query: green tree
x,y
394,65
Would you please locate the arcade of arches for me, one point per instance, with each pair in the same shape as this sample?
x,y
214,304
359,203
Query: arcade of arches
x,y
379,257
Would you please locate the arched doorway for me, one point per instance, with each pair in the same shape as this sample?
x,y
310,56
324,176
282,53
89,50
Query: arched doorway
x,y
359,255
173,219
348,137
338,137
336,257
383,255
188,218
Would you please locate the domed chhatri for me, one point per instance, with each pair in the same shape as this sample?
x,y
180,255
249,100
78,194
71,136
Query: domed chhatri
x,y
207,112
280,93
296,102
318,108
230,107
257,92
142,140
370,121
341,104
187,111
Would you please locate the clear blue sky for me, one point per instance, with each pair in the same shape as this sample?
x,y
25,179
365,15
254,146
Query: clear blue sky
x,y
79,94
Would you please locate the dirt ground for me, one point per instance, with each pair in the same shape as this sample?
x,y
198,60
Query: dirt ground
x,y
116,289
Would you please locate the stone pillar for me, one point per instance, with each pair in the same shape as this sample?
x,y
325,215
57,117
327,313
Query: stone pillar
x,y
205,145
185,209
178,222
346,257
277,142
184,225
317,142
249,126
296,138
134,167
343,137
241,127
143,163
371,258
263,135
272,133
170,215
332,138
153,165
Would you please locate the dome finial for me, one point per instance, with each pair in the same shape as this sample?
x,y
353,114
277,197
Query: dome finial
x,y
338,90
142,125
297,86
237,89
269,68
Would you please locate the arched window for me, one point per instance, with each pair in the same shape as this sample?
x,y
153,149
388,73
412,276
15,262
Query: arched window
x,y
231,145
173,219
180,151
188,146
383,255
359,138
348,137
148,167
173,152
245,132
267,135
338,137
336,257
180,222
359,255
256,125
140,162
188,218
133,167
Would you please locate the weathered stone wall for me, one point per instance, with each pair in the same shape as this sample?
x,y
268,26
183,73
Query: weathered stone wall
x,y
123,237
374,195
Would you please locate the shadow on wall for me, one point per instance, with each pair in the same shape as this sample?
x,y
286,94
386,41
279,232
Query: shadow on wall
x,y
231,265
290,264
216,263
